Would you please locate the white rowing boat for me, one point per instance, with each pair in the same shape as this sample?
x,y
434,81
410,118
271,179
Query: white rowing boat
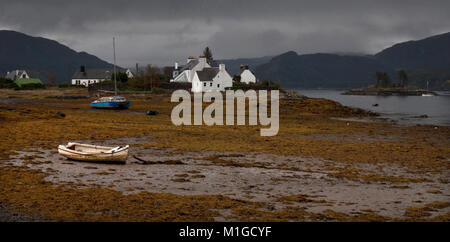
x,y
94,153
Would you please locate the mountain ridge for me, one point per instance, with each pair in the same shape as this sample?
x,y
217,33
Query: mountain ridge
x,y
424,60
43,56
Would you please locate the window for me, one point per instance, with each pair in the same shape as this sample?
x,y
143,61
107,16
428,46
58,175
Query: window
x,y
210,84
204,84
218,85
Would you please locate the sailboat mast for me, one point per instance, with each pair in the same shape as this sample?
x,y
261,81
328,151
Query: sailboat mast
x,y
115,78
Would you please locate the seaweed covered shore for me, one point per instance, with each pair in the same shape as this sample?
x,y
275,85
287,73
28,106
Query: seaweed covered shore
x,y
314,156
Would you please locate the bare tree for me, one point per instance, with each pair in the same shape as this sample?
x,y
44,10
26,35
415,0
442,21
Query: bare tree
x,y
52,80
151,74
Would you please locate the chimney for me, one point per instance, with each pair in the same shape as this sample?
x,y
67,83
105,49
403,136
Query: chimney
x,y
82,69
189,59
176,65
246,67
222,67
202,59
241,67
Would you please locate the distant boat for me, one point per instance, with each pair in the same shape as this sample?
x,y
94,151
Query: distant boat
x,y
427,94
115,102
94,153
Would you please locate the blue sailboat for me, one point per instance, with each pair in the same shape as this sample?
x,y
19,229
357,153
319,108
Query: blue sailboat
x,y
114,102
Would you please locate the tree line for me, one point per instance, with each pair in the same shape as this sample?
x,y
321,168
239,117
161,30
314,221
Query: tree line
x,y
383,80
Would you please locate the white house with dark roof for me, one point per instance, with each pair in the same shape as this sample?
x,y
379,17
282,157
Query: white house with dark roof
x,y
86,77
17,74
203,75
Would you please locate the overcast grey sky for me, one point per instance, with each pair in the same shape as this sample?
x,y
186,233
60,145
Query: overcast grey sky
x,y
160,32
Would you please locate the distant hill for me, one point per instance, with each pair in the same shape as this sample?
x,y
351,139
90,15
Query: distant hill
x,y
321,70
42,56
424,60
432,53
233,65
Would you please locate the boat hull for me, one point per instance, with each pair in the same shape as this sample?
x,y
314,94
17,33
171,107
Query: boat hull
x,y
120,156
111,105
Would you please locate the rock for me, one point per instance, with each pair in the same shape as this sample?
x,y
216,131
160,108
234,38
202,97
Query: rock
x,y
421,116
62,115
152,112
8,108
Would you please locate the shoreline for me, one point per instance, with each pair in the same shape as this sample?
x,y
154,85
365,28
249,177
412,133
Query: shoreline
x,y
384,92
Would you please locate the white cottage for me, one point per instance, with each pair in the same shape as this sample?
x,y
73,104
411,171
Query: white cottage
x,y
17,74
129,73
86,77
203,76
246,75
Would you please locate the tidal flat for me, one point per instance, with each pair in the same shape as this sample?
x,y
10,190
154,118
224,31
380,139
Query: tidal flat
x,y
327,163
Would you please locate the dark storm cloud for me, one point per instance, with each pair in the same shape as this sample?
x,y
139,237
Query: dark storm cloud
x,y
160,32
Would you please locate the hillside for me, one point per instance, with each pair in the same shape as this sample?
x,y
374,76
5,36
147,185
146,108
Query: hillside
x,y
321,70
233,65
424,60
432,52
42,56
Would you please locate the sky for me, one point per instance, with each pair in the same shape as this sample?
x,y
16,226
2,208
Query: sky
x,y
164,31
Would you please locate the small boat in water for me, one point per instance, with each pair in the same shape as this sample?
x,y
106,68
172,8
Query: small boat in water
x,y
427,95
115,102
94,153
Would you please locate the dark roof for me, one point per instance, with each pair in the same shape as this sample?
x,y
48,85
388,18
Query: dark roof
x,y
207,74
96,73
189,65
193,63
12,74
